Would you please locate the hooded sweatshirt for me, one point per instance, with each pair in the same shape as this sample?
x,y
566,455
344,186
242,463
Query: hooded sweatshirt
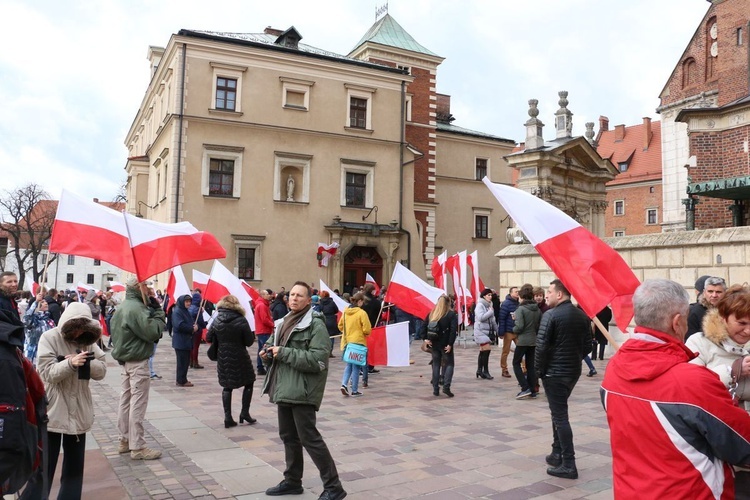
x,y
674,429
71,409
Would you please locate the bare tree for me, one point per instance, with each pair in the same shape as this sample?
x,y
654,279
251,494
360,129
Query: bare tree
x,y
27,215
122,190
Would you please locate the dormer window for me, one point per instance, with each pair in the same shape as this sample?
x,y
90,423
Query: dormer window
x,y
623,166
290,38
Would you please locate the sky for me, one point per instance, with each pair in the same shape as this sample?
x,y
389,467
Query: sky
x,y
73,73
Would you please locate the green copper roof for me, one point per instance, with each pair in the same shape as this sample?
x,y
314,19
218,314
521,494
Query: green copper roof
x,y
386,31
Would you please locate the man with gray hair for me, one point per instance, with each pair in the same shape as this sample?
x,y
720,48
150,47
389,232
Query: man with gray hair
x,y
674,430
712,291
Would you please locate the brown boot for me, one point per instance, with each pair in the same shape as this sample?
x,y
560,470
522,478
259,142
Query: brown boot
x,y
506,374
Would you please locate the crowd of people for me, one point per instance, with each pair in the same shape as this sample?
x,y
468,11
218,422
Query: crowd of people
x,y
550,337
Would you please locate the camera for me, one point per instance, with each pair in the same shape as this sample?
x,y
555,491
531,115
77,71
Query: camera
x,y
84,371
269,353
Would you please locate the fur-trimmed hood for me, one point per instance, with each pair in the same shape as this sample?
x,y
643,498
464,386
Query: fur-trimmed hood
x,y
77,317
714,327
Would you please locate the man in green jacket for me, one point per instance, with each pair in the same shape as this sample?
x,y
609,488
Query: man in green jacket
x,y
135,326
298,353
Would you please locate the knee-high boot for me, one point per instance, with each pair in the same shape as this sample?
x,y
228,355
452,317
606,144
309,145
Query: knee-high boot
x,y
486,367
480,365
226,399
247,396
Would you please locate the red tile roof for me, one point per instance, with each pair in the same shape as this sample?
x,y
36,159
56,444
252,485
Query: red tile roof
x,y
627,144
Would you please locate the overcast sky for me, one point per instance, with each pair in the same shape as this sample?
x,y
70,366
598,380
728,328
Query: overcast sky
x,y
73,73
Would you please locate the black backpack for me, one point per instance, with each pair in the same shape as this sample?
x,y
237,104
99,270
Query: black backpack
x,y
433,331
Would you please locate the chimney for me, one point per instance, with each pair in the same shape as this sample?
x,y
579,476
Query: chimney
x,y
96,200
619,132
534,139
603,124
647,133
272,31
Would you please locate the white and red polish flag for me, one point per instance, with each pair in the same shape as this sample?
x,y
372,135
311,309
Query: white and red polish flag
x,y
340,303
116,286
589,268
389,345
140,246
411,294
200,280
472,260
83,287
438,269
370,279
177,286
252,292
325,252
221,283
33,287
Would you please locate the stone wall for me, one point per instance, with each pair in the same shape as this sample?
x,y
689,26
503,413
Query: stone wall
x,y
680,256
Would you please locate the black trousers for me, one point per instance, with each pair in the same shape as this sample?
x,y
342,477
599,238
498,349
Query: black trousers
x,y
558,390
528,381
71,478
183,362
297,429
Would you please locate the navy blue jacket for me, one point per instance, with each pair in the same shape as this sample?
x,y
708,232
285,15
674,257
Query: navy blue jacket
x,y
505,323
182,326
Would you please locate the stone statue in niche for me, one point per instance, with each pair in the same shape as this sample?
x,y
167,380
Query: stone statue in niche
x,y
290,188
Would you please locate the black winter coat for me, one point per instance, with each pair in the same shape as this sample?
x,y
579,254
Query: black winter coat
x,y
564,339
447,325
372,307
278,309
330,310
55,311
232,331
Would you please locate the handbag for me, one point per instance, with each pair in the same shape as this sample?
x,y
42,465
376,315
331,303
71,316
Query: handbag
x,y
213,350
739,387
492,335
355,354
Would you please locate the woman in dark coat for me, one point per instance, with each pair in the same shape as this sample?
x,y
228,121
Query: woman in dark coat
x,y
183,328
330,310
234,366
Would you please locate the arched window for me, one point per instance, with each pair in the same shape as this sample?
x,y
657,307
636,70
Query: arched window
x,y
688,72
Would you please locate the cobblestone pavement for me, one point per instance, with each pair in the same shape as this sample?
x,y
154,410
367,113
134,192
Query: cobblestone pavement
x,y
398,441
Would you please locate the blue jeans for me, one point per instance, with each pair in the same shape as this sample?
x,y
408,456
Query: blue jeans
x,y
351,372
587,359
262,338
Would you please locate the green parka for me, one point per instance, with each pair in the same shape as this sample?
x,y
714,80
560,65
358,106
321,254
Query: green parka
x,y
135,328
301,365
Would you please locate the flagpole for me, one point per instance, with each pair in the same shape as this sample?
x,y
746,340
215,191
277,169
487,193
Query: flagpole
x,y
135,262
44,273
606,333
203,302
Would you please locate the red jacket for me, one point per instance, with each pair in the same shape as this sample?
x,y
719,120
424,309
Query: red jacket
x,y
263,319
674,428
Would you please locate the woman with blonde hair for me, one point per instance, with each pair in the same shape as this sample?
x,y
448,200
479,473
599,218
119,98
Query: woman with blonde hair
x,y
234,367
355,327
439,329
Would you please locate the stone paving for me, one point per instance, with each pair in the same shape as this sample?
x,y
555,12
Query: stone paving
x,y
398,441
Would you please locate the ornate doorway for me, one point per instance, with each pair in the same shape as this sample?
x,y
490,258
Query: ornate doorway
x,y
358,262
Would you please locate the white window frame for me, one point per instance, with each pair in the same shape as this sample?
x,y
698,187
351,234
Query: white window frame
x,y
300,162
614,208
221,153
360,92
359,167
298,86
254,242
486,159
407,107
618,233
221,70
656,213
484,213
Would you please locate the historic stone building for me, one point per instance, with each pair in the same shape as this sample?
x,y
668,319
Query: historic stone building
x,y
705,107
274,146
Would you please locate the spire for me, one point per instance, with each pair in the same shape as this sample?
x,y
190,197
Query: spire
x,y
534,125
386,31
563,117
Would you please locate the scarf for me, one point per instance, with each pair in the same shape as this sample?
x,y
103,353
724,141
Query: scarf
x,y
290,321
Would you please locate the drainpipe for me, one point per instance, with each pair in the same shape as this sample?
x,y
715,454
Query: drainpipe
x,y
401,177
179,144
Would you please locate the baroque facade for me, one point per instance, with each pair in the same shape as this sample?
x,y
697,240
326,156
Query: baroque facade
x,y
275,146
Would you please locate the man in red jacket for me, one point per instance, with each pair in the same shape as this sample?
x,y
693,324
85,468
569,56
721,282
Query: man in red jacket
x,y
263,324
675,431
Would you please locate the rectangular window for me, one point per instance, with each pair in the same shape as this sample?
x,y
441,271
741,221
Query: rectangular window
x,y
623,165
295,99
69,278
739,36
481,226
620,207
356,189
651,216
357,112
89,279
619,233
481,168
221,177
71,260
97,262
4,247
226,93
246,263
44,258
